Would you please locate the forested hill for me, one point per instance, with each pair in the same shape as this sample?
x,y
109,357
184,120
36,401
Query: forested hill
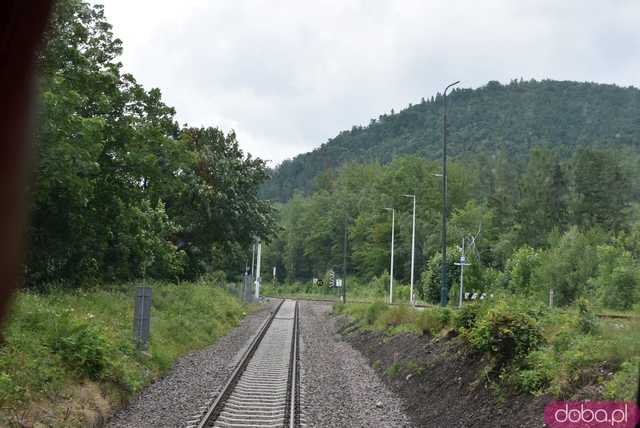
x,y
513,117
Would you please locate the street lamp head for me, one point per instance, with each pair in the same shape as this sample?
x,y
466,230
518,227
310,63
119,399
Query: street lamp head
x,y
409,196
388,209
447,88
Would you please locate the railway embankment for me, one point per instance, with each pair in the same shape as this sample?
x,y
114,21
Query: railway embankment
x,y
494,364
67,357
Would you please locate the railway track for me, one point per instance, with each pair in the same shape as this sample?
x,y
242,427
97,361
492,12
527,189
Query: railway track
x,y
263,390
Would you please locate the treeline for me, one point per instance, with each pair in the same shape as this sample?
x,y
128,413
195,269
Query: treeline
x,y
529,227
514,117
121,190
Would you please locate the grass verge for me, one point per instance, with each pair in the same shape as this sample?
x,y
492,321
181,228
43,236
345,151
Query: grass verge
x,y
68,358
565,353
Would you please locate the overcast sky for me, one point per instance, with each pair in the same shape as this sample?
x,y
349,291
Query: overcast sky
x,y
287,75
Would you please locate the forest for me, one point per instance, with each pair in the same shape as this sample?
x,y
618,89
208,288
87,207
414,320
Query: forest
x,y
530,226
513,118
121,191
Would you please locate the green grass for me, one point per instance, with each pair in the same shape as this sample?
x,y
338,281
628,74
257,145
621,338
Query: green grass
x,y
63,338
356,291
391,320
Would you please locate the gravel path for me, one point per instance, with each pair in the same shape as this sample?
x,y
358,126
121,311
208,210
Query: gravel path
x,y
340,389
172,400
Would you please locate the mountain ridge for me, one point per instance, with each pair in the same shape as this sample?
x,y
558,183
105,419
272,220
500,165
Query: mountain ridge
x,y
513,117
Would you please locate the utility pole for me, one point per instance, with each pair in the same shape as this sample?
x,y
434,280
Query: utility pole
x,y
444,288
258,257
344,265
412,296
393,225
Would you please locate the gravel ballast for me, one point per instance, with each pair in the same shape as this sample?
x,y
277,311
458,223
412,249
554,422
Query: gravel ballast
x,y
340,389
193,380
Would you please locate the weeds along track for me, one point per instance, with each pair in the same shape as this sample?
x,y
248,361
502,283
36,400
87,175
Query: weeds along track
x,y
263,390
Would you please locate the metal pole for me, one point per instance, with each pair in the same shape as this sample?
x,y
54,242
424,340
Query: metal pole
x,y
413,250
259,255
462,263
393,224
344,265
444,288
253,256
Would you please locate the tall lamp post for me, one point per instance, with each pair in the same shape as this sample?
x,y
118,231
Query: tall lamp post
x,y
393,225
444,288
412,297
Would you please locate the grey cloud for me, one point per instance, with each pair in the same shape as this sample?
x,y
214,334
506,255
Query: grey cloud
x,y
287,75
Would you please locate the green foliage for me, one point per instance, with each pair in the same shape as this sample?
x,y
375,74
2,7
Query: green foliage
x,y
54,339
467,316
514,116
394,317
537,374
617,280
393,370
121,191
373,312
544,205
623,385
432,321
569,264
505,333
587,320
431,280
520,269
83,349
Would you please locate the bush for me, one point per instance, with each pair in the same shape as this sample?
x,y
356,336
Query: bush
x,y
396,316
373,312
520,268
540,367
84,349
623,386
466,316
587,320
432,321
568,265
430,280
506,334
401,293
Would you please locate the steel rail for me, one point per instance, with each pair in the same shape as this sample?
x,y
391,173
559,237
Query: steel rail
x,y
234,394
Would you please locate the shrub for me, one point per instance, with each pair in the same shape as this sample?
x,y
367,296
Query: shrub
x,y
396,316
373,312
393,370
430,280
568,265
432,321
401,293
83,348
520,268
505,333
467,315
538,372
587,320
624,384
